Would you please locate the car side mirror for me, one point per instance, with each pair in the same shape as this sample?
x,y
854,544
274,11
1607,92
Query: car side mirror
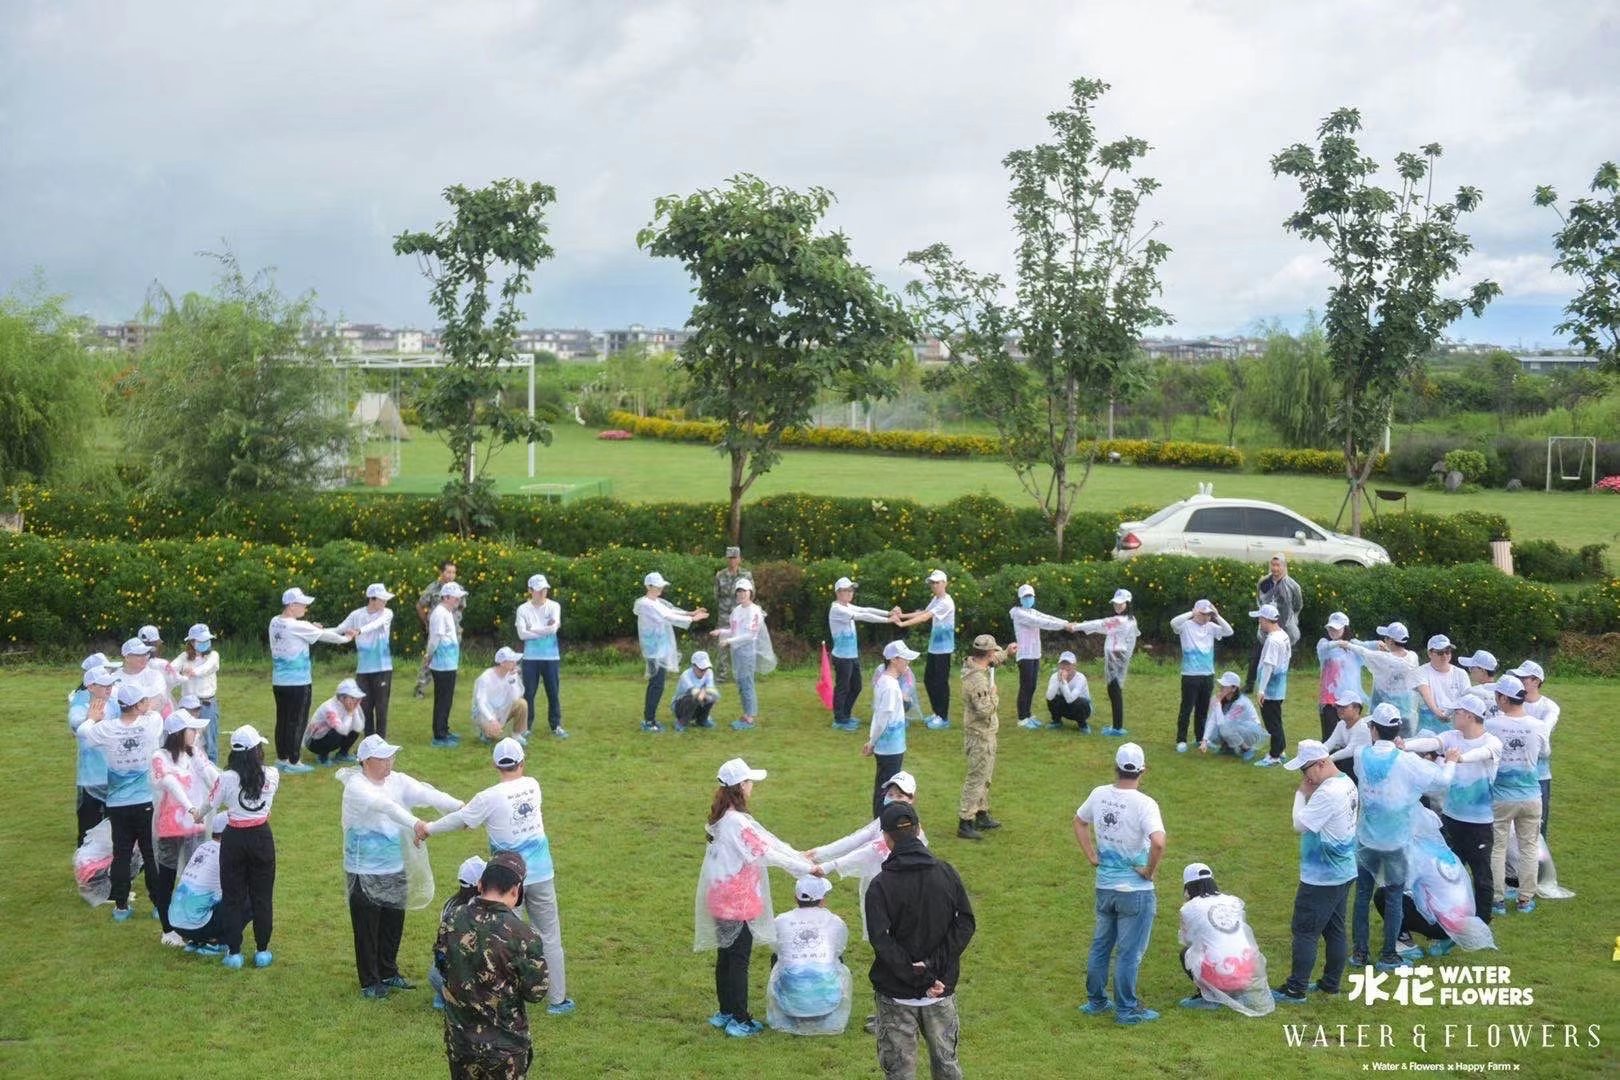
x,y
1299,535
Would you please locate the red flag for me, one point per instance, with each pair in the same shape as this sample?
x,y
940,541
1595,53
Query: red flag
x,y
824,685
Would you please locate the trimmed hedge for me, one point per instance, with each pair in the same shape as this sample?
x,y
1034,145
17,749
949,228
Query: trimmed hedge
x,y
929,444
1437,539
70,593
1311,462
1546,560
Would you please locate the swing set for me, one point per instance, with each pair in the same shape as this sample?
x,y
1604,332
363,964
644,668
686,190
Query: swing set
x,y
1585,447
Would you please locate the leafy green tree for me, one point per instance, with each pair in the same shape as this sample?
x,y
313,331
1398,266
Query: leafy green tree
x,y
230,394
1586,251
640,378
1087,276
1391,252
1571,390
1294,389
494,228
49,402
782,312
1502,376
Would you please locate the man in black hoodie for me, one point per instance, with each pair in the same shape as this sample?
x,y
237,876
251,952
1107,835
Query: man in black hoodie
x,y
920,921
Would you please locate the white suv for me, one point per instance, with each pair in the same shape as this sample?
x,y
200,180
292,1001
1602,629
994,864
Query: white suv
x,y
1245,529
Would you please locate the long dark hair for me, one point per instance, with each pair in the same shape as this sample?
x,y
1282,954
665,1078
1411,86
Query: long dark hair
x,y
1204,886
249,766
175,745
727,798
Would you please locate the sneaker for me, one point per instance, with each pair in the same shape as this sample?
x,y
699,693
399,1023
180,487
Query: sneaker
x,y
744,725
1247,755
704,723
321,762
1055,725
438,1000
209,950
561,1008
522,737
720,1020
121,914
936,723
1527,906
399,982
1358,958
1085,729
377,993
1498,908
1198,1001
851,724
298,767
650,725
234,961
347,759
679,727
1389,963
1181,748
440,744
740,1029
172,940
559,733
1285,996
455,740
966,831
1140,1016
262,958
1267,762
1320,989
1411,954
1029,723
1096,1008
1442,947
982,820
1115,732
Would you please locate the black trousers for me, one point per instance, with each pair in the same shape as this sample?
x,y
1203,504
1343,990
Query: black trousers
x,y
1116,703
209,932
1028,672
1195,694
1329,716
887,766
324,746
1318,916
846,686
90,812
937,681
166,876
132,826
1254,665
247,880
444,696
1412,920
292,716
547,673
1271,716
377,931
374,706
1472,842
1061,709
731,974
688,711
654,694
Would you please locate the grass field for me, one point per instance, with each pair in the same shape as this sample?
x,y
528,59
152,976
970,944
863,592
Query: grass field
x,y
647,470
625,811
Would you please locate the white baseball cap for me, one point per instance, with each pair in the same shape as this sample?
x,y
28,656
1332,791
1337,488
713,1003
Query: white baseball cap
x,y
736,771
296,595
1309,750
350,688
898,648
189,702
1195,871
1508,686
505,655
1266,611
1338,621
743,583
378,591
1121,596
1128,758
811,888
1231,678
1477,701
1531,669
1351,696
654,580
104,677
135,647
199,632
453,589
221,821
247,737
937,575
1481,659
1395,632
130,694
843,583
700,659
375,746
1204,607
508,752
472,868
1067,657
1026,589
904,781
1439,643
94,662
149,634
538,581
1385,715
180,719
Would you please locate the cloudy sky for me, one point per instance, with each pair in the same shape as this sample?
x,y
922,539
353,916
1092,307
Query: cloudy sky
x,y
306,133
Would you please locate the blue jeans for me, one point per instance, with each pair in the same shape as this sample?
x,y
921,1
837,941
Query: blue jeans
x,y
1369,863
549,672
210,734
655,691
1124,919
742,669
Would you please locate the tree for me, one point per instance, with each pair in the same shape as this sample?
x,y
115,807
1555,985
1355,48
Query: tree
x,y
1502,375
1241,375
1294,392
1586,251
49,403
640,378
1573,389
230,395
1391,251
499,226
782,311
1086,279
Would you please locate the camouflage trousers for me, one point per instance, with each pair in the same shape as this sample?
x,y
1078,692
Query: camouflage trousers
x,y
981,767
897,1029
491,1065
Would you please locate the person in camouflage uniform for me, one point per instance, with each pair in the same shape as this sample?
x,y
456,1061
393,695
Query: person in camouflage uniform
x,y
424,607
725,598
492,964
980,723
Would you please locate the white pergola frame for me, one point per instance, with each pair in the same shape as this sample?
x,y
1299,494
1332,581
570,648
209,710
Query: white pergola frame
x,y
1590,446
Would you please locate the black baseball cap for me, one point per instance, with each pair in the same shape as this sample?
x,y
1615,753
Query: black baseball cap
x,y
898,817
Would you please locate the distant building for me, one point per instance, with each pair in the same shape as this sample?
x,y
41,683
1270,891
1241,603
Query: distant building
x,y
366,338
1192,349
931,350
408,342
656,340
572,344
128,336
1549,362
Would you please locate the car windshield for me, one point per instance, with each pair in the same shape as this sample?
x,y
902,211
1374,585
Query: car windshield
x,y
1160,517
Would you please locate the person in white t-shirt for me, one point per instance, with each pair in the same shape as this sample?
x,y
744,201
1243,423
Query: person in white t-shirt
x,y
292,676
538,621
373,627
246,789
1271,679
747,638
498,699
1545,709
842,615
1440,686
1234,725
940,613
810,989
337,724
1120,634
1325,808
1219,953
1394,670
127,741
1027,626
886,742
1350,733
1122,834
1199,630
1467,820
1067,695
656,620
443,653
195,911
196,671
510,813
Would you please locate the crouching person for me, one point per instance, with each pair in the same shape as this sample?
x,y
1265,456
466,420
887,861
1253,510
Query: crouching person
x,y
695,694
1220,954
194,909
809,990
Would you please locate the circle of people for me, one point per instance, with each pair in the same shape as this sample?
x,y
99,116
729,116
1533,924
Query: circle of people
x,y
1448,733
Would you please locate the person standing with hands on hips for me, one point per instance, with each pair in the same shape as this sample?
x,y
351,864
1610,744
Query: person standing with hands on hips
x,y
1122,834
886,742
292,676
373,627
941,613
443,658
538,620
1271,680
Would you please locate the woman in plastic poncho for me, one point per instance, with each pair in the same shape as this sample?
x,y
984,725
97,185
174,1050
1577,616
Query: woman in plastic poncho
x,y
1220,954
751,654
1119,642
734,893
1233,726
182,777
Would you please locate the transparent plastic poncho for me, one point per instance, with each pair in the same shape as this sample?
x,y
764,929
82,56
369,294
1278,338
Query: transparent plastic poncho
x,y
1547,887
92,865
859,855
1120,634
372,839
1234,724
1440,887
733,889
1225,961
764,654
810,989
176,835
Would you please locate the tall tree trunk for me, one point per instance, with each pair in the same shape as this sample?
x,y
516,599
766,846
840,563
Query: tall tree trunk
x,y
739,458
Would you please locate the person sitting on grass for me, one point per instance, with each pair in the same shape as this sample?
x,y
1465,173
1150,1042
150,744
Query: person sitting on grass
x,y
1219,952
1067,695
695,694
810,990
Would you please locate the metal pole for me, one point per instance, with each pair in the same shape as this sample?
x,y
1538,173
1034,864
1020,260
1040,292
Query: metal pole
x,y
531,414
1548,486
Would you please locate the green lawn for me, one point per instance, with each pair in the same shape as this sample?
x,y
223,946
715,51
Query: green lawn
x,y
644,470
88,997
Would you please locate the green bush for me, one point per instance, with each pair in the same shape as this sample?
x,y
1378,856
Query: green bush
x,y
1414,538
1546,560
1311,462
1471,463
73,593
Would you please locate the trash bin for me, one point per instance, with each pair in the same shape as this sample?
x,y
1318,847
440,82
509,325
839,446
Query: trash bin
x,y
1502,555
